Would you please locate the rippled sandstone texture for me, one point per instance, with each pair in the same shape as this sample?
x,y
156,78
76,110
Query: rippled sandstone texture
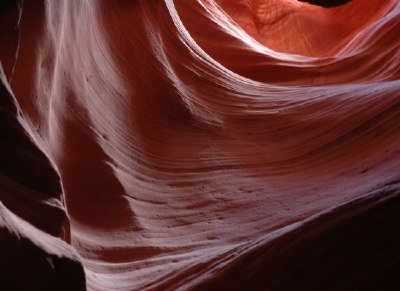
x,y
202,144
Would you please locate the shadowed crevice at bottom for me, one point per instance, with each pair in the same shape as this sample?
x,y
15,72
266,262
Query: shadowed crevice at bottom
x,y
355,246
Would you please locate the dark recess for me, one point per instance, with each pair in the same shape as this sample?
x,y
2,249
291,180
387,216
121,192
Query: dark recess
x,y
327,3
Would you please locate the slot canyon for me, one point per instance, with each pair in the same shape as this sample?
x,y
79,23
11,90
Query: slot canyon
x,y
200,145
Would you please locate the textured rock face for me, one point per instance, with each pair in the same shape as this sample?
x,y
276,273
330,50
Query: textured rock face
x,y
204,144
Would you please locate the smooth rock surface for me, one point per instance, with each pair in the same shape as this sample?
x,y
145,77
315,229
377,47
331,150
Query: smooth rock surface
x,y
202,144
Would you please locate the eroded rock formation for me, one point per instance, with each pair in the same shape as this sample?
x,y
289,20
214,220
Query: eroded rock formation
x,y
202,144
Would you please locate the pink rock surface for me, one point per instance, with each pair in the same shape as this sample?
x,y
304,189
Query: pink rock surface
x,y
202,144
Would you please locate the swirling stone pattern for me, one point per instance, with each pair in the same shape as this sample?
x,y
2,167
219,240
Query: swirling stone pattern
x,y
199,145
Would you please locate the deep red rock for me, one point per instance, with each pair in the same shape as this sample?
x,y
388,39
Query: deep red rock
x,y
203,144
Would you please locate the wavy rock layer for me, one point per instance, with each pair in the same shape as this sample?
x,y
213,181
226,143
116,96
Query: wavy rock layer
x,y
31,215
205,144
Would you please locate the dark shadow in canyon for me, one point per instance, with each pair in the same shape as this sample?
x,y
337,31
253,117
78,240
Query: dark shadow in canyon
x,y
327,3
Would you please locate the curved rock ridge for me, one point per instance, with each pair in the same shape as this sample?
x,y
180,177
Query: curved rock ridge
x,y
200,145
32,216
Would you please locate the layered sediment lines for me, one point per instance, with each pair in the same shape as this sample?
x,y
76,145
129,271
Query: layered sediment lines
x,y
204,144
